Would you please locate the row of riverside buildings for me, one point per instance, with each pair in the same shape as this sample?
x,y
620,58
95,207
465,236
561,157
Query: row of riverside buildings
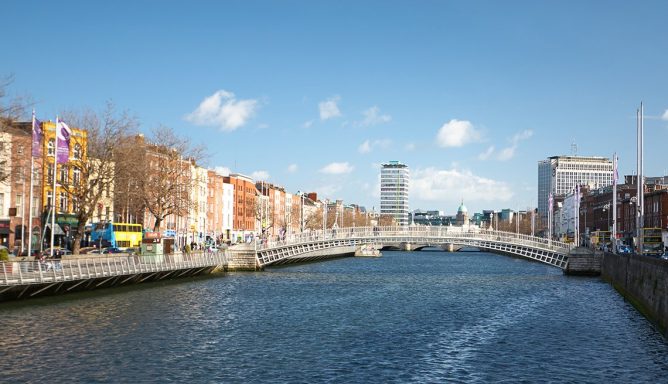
x,y
560,176
224,208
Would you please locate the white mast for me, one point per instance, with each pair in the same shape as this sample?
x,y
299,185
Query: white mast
x,y
53,193
32,163
614,203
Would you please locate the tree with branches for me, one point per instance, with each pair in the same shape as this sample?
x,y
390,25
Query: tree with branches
x,y
164,177
96,159
11,110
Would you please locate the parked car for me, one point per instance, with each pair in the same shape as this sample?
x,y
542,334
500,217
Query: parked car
x,y
623,249
111,250
63,251
132,251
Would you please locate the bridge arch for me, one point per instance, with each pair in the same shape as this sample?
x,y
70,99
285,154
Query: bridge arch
x,y
324,244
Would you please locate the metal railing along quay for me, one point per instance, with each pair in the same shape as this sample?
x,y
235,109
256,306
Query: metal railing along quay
x,y
96,271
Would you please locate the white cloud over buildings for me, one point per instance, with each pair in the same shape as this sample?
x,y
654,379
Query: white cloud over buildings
x,y
224,111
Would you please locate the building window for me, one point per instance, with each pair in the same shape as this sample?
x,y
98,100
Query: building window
x,y
19,204
49,175
63,203
49,199
75,205
50,147
77,153
63,175
35,207
76,176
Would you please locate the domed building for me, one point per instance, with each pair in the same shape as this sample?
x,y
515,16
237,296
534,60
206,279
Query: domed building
x,y
462,215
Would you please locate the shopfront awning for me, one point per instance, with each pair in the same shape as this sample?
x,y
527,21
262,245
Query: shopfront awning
x,y
58,231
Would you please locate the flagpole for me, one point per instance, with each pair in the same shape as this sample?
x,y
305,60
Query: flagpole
x,y
576,224
30,208
614,203
53,193
23,211
641,179
32,164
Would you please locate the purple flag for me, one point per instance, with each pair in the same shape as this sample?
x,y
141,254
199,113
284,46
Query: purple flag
x,y
615,175
37,136
63,151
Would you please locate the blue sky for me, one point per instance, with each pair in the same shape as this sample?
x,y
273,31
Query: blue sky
x,y
313,96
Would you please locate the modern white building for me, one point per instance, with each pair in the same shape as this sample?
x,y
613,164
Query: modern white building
x,y
565,217
394,187
560,174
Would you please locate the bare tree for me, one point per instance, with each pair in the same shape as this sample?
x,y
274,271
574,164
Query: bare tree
x,y
263,213
295,215
164,179
386,220
314,220
93,165
11,111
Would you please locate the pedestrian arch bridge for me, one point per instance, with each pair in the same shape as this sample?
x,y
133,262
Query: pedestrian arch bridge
x,y
316,245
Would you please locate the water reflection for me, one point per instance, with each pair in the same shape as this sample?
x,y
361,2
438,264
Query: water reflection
x,y
406,317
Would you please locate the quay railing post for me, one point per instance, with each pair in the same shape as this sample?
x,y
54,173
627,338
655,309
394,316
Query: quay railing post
x,y
20,272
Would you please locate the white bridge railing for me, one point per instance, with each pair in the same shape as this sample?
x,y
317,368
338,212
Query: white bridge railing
x,y
86,268
275,249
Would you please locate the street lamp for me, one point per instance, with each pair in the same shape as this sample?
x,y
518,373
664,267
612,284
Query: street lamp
x,y
606,207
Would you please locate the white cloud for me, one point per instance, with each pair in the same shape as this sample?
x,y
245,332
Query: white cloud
x,y
260,175
292,168
410,146
665,115
365,147
457,133
224,111
487,154
372,116
307,124
223,171
337,168
327,190
368,145
450,186
509,152
329,108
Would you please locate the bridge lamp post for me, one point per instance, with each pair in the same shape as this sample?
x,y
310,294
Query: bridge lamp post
x,y
301,211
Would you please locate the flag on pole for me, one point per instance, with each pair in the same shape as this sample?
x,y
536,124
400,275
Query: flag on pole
x,y
37,136
615,175
63,151
550,201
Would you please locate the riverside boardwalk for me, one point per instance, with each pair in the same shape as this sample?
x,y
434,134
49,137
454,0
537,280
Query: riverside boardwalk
x,y
25,279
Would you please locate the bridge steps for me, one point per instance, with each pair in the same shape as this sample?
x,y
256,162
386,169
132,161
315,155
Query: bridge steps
x,y
242,257
583,262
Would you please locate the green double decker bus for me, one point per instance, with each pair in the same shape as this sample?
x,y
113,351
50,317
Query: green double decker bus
x,y
652,242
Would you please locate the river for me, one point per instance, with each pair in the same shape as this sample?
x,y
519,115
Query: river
x,y
406,317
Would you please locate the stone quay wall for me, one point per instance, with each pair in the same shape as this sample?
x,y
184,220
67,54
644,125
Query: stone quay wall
x,y
643,281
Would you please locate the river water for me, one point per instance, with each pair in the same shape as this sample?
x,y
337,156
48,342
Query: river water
x,y
407,317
